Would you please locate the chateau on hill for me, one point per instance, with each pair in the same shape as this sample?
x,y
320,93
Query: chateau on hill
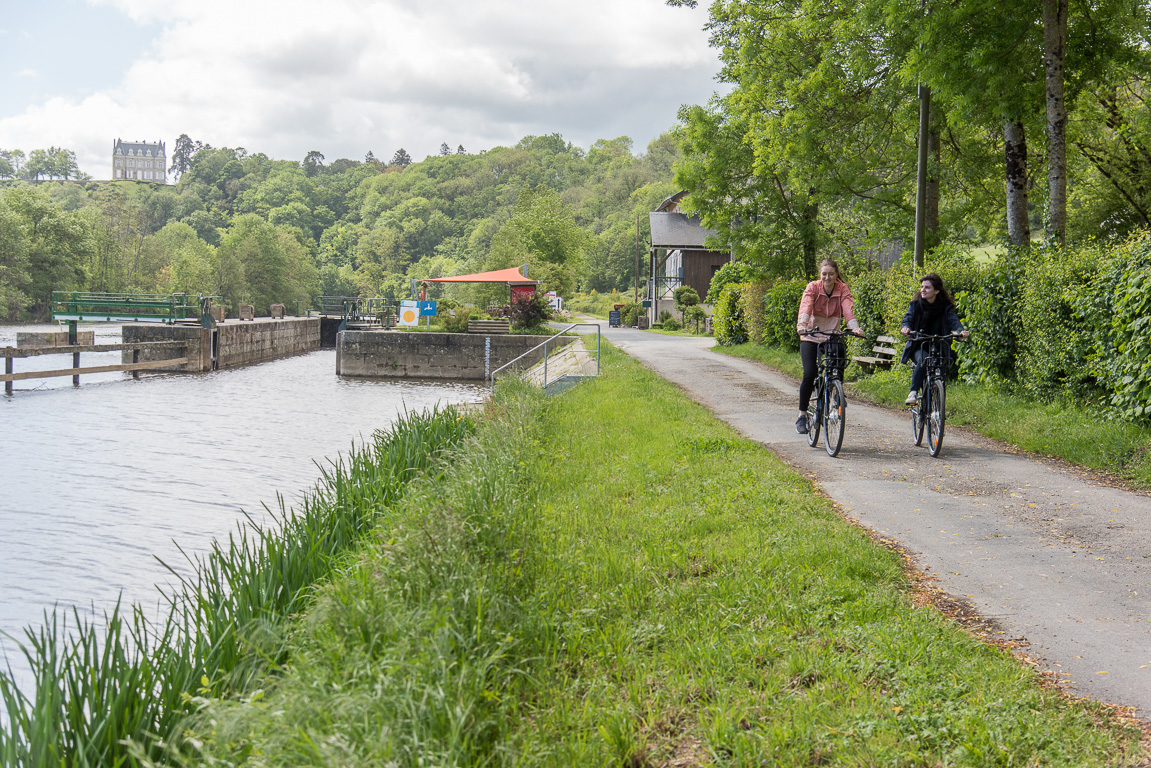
x,y
139,160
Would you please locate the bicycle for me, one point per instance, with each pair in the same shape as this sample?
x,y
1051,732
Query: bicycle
x,y
827,408
929,411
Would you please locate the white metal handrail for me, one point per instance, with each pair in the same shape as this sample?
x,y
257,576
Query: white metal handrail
x,y
544,344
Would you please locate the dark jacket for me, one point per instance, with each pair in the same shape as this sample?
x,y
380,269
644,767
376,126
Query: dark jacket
x,y
948,322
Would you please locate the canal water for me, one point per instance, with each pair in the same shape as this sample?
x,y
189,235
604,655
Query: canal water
x,y
99,483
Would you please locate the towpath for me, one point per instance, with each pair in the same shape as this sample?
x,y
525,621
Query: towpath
x,y
1053,556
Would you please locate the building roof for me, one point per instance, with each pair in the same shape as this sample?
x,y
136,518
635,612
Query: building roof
x,y
149,149
677,230
511,276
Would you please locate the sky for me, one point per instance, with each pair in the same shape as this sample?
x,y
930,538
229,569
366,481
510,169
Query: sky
x,y
344,77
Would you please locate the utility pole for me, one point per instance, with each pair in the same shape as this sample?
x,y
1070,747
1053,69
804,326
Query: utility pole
x,y
637,258
921,170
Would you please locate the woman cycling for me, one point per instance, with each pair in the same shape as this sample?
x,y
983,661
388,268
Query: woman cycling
x,y
932,312
826,303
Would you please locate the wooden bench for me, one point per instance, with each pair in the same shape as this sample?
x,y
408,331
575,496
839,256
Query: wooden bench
x,y
884,354
490,326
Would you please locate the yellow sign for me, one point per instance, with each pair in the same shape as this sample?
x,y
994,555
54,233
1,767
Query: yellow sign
x,y
409,313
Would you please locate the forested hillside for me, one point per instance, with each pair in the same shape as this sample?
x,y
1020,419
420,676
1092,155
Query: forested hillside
x,y
249,228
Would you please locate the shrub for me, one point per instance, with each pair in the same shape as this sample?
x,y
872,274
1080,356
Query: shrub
x,y
1055,341
694,315
751,304
664,316
991,313
457,323
869,293
671,324
630,313
780,309
727,321
1118,306
528,310
731,272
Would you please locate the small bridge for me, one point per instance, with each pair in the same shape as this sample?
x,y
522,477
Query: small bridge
x,y
79,306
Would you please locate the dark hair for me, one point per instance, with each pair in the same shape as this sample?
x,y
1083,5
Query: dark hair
x,y
937,283
838,274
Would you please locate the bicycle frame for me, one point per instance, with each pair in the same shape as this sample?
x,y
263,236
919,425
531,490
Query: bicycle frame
x,y
828,408
929,412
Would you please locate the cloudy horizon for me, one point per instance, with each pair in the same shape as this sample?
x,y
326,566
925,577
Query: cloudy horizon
x,y
345,77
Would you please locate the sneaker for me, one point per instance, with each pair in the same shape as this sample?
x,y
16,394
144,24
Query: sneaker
x,y
801,425
912,396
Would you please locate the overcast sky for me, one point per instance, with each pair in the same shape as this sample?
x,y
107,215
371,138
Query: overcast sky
x,y
343,77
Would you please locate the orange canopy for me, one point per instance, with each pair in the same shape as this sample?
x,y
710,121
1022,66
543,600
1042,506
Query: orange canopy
x,y
511,276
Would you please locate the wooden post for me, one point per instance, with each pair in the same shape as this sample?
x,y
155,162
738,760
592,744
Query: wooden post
x,y
8,369
75,355
135,359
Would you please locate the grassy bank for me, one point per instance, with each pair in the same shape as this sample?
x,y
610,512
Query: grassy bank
x,y
115,692
613,577
1063,430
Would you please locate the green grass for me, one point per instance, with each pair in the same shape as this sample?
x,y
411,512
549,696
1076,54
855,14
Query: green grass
x,y
1063,430
614,577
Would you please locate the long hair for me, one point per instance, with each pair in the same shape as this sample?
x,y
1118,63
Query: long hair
x,y
833,265
937,284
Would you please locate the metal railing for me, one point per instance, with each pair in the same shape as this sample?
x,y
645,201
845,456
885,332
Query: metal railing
x,y
544,345
123,307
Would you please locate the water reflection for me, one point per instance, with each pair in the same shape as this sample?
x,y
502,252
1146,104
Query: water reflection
x,y
99,481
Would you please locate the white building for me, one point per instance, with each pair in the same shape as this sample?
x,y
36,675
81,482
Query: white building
x,y
139,160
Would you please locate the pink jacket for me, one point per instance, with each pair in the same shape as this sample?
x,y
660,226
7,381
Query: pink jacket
x,y
819,311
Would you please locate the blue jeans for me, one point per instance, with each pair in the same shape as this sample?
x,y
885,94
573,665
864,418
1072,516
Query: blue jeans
x,y
920,369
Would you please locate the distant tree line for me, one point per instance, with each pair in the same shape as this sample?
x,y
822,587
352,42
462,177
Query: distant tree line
x,y
248,228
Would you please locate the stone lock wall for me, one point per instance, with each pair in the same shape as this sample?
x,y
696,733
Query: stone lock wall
x,y
436,356
250,341
237,342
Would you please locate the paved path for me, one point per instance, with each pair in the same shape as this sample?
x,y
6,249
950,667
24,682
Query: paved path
x,y
1051,555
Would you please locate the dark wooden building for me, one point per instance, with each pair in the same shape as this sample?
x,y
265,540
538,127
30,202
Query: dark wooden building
x,y
678,255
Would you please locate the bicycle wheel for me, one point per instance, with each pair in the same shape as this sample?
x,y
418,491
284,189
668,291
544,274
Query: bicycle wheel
x,y
936,415
918,411
836,417
815,413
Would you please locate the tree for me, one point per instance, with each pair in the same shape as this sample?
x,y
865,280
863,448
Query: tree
x,y
460,150
182,153
685,296
313,163
12,161
401,158
445,150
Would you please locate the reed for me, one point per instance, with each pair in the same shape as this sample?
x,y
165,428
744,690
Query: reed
x,y
113,693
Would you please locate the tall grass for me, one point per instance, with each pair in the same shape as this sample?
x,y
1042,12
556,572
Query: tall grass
x,y
417,651
114,693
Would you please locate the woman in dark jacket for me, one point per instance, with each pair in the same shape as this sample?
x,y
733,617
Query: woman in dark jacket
x,y
932,311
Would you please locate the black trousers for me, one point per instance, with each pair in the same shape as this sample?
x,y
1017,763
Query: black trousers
x,y
809,354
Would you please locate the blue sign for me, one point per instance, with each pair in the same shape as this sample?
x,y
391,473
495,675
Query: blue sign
x,y
427,309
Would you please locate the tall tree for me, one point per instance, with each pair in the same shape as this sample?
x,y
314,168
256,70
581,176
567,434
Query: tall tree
x,y
1054,56
182,153
401,158
313,163
445,150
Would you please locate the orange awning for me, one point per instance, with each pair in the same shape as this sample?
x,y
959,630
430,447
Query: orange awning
x,y
511,276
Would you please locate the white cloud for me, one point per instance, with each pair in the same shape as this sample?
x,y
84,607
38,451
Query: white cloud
x,y
346,76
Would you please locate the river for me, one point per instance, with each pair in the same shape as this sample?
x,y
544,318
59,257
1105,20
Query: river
x,y
100,482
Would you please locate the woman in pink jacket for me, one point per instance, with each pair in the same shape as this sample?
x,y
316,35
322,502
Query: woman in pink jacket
x,y
826,303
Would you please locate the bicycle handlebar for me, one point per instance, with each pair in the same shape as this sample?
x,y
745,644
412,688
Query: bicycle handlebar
x,y
918,336
828,334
